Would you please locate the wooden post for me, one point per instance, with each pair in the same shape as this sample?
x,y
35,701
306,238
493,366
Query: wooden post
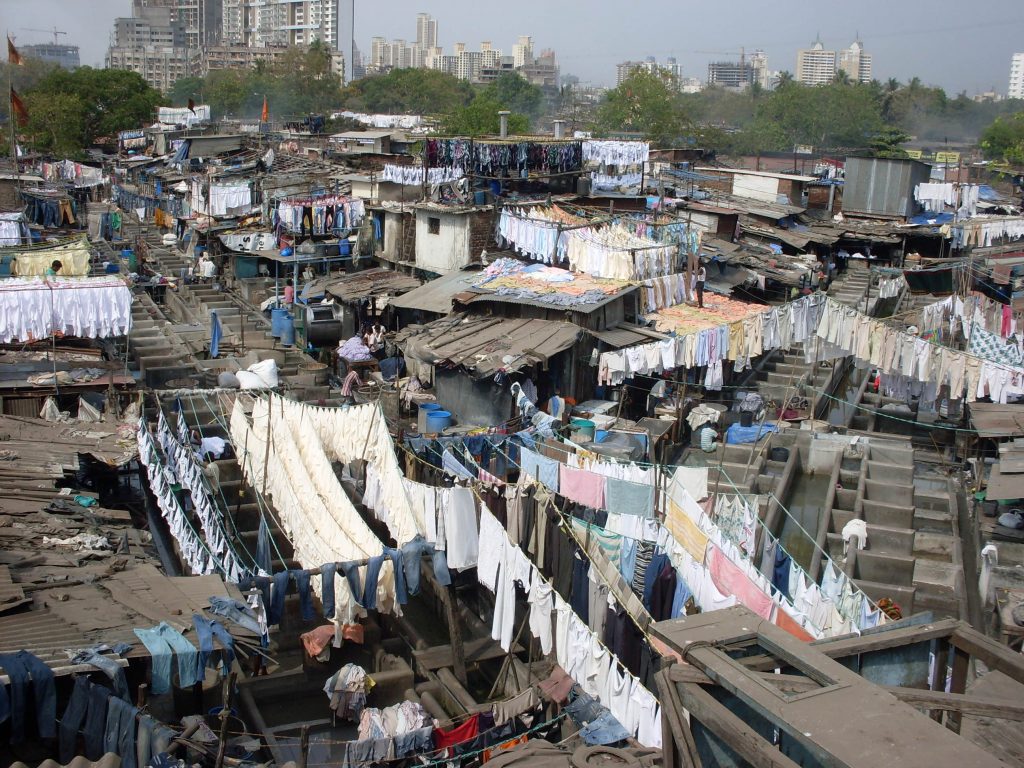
x,y
303,747
225,713
447,597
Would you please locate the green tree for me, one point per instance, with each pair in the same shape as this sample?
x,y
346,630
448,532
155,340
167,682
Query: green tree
x,y
480,118
56,124
23,79
113,99
410,91
646,103
1004,139
514,93
187,88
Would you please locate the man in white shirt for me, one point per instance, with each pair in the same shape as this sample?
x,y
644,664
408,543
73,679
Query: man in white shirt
x,y
702,276
209,269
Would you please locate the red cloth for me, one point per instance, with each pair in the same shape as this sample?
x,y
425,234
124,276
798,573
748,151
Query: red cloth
x,y
458,734
730,580
1007,321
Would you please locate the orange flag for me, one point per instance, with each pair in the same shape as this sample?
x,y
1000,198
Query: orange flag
x,y
18,108
13,57
265,116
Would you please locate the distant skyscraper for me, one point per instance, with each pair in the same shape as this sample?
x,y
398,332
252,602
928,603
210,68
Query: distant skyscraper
x,y
731,74
1016,89
855,63
650,64
522,52
426,31
815,65
65,56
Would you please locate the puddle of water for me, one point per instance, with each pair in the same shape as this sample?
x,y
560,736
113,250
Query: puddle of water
x,y
804,502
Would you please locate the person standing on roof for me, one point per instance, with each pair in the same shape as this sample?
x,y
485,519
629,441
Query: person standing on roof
x,y
702,276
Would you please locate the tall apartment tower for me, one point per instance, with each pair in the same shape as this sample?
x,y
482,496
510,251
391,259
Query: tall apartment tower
x,y
856,63
815,65
1016,89
426,31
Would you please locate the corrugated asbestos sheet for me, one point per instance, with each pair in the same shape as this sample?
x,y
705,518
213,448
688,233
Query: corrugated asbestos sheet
x,y
109,760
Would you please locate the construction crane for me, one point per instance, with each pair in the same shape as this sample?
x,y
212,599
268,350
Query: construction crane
x,y
742,52
53,32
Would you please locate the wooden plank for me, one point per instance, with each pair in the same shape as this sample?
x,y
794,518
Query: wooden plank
x,y
676,737
742,739
995,655
482,649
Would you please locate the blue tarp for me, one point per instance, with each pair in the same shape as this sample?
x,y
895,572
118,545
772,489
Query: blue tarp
x,y
935,219
737,433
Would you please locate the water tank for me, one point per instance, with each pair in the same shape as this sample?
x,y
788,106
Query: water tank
x,y
438,421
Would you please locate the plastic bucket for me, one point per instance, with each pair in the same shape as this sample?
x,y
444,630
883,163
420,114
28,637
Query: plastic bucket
x,y
288,330
582,430
746,419
278,320
438,421
425,410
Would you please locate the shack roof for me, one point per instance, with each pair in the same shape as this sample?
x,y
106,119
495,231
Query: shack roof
x,y
767,174
436,295
372,282
486,345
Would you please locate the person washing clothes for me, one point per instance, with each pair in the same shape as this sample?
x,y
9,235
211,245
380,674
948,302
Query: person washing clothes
x,y
702,276
289,292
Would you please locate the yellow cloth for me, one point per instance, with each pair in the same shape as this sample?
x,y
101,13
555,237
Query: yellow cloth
x,y
74,259
685,530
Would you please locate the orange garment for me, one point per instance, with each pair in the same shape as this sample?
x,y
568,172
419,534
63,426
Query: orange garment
x,y
784,621
489,753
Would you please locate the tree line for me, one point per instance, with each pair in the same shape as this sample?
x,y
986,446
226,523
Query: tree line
x,y
70,111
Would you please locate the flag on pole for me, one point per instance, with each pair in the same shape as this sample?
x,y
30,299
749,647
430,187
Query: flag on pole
x,y
18,108
13,57
191,106
265,115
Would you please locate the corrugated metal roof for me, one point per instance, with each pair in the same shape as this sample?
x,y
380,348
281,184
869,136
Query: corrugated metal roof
x,y
486,345
436,295
620,337
372,282
11,595
109,760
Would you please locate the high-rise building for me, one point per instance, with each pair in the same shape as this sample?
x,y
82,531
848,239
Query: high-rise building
x,y
151,43
731,74
203,19
856,63
670,68
1016,89
65,56
522,52
426,31
815,65
280,22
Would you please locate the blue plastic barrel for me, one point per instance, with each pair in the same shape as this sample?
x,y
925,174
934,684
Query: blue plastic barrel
x,y
278,320
495,187
438,421
430,407
344,246
288,331
480,198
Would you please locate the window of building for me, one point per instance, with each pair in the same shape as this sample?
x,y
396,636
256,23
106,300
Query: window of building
x,y
434,225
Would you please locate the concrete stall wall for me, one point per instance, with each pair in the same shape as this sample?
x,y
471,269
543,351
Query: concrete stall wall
x,y
471,401
442,241
764,188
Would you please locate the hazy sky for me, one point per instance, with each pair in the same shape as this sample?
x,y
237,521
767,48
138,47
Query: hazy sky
x,y
938,41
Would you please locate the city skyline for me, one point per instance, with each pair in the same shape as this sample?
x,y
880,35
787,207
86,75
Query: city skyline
x,y
902,45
